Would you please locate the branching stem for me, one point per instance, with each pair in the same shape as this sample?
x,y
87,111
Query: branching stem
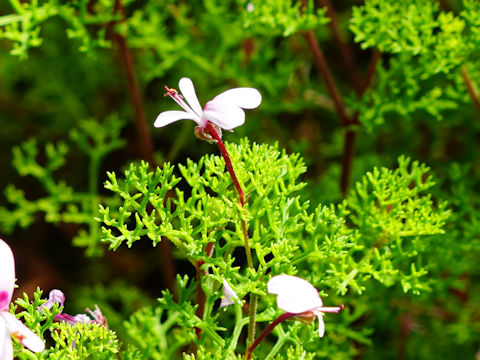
x,y
210,129
265,332
347,55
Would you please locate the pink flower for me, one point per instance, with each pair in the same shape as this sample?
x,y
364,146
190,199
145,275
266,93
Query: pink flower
x,y
298,296
9,324
224,110
58,297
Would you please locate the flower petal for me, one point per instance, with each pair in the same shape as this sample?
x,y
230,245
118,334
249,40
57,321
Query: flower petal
x,y
247,98
224,115
54,297
82,318
6,348
294,295
168,117
18,330
188,91
7,275
229,296
321,324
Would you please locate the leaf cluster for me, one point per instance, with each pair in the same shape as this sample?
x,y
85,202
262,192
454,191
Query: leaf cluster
x,y
60,202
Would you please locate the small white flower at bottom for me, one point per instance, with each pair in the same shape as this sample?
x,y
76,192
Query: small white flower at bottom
x,y
297,296
229,296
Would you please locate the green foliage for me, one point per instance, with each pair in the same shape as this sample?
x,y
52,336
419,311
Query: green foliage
x,y
429,47
61,202
395,218
23,29
391,217
403,263
265,17
78,341
84,341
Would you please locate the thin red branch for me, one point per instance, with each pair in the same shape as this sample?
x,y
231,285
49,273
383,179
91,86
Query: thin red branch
x,y
141,125
144,137
325,72
210,129
347,55
347,160
371,70
471,88
265,332
351,134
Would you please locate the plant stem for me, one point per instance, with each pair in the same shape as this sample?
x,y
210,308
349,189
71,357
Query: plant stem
x,y
265,332
252,315
145,139
324,70
371,70
210,129
200,297
470,88
347,160
93,180
345,51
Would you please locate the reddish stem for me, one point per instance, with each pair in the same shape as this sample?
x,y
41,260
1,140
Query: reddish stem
x,y
145,143
470,88
267,331
145,139
372,69
347,160
347,55
210,129
322,66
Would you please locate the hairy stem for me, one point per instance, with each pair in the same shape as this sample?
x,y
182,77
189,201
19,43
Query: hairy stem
x,y
252,313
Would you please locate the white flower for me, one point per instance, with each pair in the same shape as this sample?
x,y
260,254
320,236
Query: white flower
x,y
224,110
9,324
229,296
298,296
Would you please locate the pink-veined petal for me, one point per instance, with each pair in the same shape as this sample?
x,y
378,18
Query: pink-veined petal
x,y
321,324
294,295
7,275
229,296
188,91
6,348
247,98
25,336
168,117
226,116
